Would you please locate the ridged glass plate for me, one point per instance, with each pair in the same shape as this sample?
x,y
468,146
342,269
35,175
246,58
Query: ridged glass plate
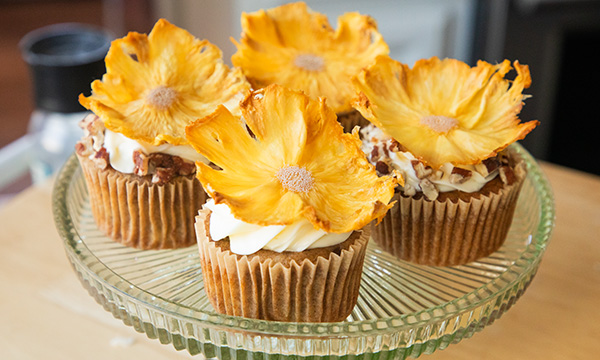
x,y
403,309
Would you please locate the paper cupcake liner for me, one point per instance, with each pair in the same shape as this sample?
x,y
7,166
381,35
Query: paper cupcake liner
x,y
137,213
263,286
351,119
446,233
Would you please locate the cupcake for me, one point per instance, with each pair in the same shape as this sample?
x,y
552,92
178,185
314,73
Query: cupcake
x,y
138,166
293,46
284,235
445,127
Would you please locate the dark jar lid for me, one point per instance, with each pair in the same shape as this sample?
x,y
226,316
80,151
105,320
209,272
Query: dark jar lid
x,y
64,59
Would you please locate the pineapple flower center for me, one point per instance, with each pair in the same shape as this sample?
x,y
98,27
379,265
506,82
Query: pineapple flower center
x,y
309,62
440,124
161,97
295,179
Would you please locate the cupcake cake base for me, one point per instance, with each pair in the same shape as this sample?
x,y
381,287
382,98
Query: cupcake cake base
x,y
315,285
454,229
135,212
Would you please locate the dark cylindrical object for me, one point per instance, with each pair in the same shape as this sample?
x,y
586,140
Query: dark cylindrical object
x,y
64,59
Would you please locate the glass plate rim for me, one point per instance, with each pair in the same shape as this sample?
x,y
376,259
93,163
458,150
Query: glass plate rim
x,y
64,224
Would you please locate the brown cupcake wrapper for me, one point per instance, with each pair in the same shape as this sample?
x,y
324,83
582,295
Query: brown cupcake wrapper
x,y
351,119
140,214
322,289
446,233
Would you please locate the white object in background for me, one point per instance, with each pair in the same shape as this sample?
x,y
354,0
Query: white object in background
x,y
55,136
15,159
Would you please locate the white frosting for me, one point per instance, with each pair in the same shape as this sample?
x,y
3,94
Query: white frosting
x,y
245,238
401,162
120,149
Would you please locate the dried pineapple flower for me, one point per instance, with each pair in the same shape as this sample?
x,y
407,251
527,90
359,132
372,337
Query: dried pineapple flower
x,y
444,111
293,46
289,159
155,85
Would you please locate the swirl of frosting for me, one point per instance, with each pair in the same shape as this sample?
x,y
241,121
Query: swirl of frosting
x,y
121,148
403,162
246,239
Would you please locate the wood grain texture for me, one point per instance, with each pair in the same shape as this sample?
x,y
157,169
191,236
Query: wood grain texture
x,y
47,314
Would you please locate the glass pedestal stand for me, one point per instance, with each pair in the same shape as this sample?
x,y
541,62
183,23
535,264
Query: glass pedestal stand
x,y
403,309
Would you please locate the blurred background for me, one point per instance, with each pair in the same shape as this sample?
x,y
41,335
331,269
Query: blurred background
x,y
558,39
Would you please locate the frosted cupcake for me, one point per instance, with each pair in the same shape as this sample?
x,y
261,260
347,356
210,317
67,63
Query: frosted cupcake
x,y
445,127
293,46
285,237
139,168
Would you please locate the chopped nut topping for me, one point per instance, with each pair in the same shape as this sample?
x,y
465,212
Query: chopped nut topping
x,y
374,155
429,189
85,122
421,170
491,164
382,168
385,150
93,139
84,147
395,146
507,174
101,158
426,179
140,161
163,175
459,176
163,167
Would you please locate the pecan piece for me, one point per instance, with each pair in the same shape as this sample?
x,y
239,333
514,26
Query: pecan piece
x,y
395,146
187,168
382,168
86,121
84,147
491,164
507,174
374,154
160,160
95,126
141,165
459,175
429,189
421,170
101,158
385,149
163,175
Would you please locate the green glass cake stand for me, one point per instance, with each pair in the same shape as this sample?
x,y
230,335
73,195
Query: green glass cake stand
x,y
403,309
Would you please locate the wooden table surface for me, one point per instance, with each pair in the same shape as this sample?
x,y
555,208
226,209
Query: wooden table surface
x,y
46,314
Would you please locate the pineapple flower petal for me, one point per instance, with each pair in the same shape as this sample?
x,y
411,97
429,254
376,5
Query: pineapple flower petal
x,y
293,46
444,111
156,84
287,158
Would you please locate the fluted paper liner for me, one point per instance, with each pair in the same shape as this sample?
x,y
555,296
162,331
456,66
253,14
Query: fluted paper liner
x,y
300,287
351,119
446,233
137,213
